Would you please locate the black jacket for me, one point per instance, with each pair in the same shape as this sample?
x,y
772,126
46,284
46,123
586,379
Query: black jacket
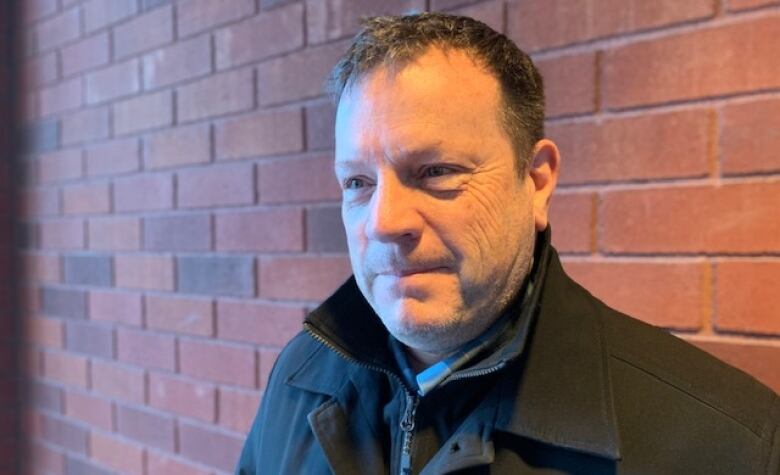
x,y
578,389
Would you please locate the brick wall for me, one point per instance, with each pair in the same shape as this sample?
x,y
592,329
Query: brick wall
x,y
182,218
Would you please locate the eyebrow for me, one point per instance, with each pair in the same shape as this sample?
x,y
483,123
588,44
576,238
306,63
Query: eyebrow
x,y
424,153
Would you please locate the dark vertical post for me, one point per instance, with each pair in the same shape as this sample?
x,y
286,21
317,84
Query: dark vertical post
x,y
11,341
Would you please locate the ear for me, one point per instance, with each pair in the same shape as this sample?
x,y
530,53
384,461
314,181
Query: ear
x,y
543,171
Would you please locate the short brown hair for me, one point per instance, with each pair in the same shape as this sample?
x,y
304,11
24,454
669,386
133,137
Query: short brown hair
x,y
396,40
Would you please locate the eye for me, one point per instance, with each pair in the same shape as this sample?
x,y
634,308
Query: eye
x,y
436,171
354,183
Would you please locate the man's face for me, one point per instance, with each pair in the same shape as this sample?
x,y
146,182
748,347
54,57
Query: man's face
x,y
440,225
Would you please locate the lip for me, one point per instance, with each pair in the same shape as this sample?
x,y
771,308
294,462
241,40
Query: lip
x,y
412,271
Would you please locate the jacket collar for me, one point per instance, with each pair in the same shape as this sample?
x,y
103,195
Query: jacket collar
x,y
563,395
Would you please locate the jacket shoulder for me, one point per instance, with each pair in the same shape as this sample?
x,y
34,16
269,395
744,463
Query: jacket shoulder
x,y
689,370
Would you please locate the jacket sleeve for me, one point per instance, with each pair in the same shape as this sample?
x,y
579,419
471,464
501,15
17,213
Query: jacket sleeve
x,y
248,461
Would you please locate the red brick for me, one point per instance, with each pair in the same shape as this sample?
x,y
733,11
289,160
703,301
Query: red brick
x,y
542,24
324,230
680,67
331,19
99,13
41,202
148,271
177,147
746,296
40,70
268,230
117,454
755,358
165,464
43,396
267,360
733,218
260,323
34,363
180,232
489,12
62,234
573,220
216,275
629,148
44,267
198,15
265,133
569,84
90,338
61,97
237,409
58,30
150,111
218,362
89,409
749,137
119,307
194,316
88,198
208,446
216,186
115,234
144,192
118,382
745,4
320,125
86,54
440,5
216,95
66,302
86,125
29,298
270,33
65,434
37,9
300,75
148,427
147,349
46,332
673,295
183,396
302,278
144,32
183,60
60,165
313,176
114,157
29,108
46,459
68,369
115,81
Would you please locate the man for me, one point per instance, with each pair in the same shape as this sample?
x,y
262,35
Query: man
x,y
460,345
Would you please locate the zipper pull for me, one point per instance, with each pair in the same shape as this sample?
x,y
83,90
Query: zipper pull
x,y
407,426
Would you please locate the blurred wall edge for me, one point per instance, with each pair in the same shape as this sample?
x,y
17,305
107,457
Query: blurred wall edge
x,y
10,327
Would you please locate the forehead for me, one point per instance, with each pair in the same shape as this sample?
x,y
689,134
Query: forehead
x,y
441,97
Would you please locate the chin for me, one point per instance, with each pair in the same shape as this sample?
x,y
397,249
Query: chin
x,y
421,325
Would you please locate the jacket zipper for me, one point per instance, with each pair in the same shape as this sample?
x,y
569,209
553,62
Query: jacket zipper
x,y
408,417
407,426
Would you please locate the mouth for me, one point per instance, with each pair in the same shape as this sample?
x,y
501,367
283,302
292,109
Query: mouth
x,y
413,271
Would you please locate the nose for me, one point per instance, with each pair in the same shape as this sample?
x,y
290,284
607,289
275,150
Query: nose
x,y
394,215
